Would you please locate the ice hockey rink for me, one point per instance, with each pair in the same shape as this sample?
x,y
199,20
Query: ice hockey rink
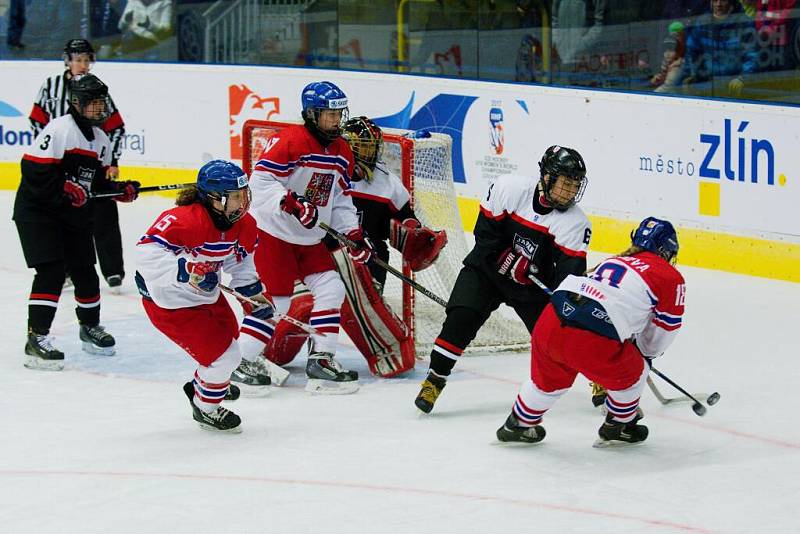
x,y
109,444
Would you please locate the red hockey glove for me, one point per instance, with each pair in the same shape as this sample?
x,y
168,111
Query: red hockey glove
x,y
201,275
419,245
516,266
300,207
76,193
362,252
130,188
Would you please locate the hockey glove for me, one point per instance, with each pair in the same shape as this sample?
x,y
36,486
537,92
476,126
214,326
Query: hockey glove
x,y
362,252
130,188
419,245
76,193
265,311
201,275
300,207
255,291
516,267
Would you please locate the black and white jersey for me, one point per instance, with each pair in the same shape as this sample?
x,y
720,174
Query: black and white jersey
x,y
380,200
52,102
62,151
511,216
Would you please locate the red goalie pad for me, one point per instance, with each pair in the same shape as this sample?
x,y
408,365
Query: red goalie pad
x,y
381,337
419,245
288,339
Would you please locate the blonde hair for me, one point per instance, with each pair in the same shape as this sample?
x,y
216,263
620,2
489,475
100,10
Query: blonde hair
x,y
630,251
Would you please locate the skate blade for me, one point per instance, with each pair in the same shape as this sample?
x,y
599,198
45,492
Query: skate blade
x,y
601,443
91,348
251,391
277,374
34,362
209,428
316,386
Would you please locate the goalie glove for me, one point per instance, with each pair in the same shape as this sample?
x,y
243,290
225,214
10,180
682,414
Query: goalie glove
x,y
516,267
301,208
419,245
200,275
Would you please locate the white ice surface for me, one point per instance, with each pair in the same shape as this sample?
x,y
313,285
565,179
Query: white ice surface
x,y
109,445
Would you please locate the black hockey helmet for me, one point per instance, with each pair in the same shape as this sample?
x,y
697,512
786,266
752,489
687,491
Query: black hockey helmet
x,y
85,93
78,46
562,161
366,139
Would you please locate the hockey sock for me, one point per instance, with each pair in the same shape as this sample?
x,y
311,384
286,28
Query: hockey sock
x,y
255,335
444,356
45,292
208,396
87,294
326,321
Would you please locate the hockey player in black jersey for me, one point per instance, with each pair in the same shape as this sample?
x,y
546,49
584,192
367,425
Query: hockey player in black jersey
x,y
524,229
65,165
52,101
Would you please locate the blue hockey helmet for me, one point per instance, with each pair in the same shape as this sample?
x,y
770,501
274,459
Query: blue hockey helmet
x,y
658,236
224,182
322,96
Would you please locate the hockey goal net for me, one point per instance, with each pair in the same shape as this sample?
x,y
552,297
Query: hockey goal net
x,y
425,167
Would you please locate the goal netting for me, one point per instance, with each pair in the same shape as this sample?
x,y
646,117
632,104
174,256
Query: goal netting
x,y
425,166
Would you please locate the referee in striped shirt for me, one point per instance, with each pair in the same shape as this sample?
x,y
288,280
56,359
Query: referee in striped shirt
x,y
53,102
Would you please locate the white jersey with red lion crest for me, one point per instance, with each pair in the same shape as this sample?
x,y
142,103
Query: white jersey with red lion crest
x,y
294,160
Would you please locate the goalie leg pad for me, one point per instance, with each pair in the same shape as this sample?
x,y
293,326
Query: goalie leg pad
x,y
381,337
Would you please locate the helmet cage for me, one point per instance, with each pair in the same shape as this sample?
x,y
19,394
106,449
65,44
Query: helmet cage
x,y
88,91
562,161
366,141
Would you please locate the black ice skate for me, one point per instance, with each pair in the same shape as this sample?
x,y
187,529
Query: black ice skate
x,y
221,419
326,376
512,431
115,283
614,433
97,341
432,387
253,377
40,353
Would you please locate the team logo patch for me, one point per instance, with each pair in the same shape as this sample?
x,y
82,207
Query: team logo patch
x,y
567,309
319,188
525,246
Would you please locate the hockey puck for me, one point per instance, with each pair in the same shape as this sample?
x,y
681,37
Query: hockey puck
x,y
713,399
699,409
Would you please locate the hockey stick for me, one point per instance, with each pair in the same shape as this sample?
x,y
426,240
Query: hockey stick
x,y
379,262
278,315
146,189
698,407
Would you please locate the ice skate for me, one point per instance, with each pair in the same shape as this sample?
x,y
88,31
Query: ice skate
x,y
40,353
432,387
512,431
97,341
613,433
277,374
115,284
220,419
253,378
326,376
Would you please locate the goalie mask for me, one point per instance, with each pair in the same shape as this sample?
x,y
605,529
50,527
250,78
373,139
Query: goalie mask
x,y
89,97
223,190
562,177
324,109
657,236
366,140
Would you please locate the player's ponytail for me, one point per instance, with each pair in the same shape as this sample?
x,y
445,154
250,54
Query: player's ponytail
x,y
187,196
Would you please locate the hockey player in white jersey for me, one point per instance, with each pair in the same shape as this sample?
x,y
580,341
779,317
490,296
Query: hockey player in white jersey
x,y
303,178
180,262
604,325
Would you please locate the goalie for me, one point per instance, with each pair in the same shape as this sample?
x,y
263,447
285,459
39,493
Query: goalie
x,y
384,210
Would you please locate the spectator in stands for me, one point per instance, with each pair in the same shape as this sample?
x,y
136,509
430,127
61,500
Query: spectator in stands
x,y
16,23
774,22
719,47
684,9
577,26
668,77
